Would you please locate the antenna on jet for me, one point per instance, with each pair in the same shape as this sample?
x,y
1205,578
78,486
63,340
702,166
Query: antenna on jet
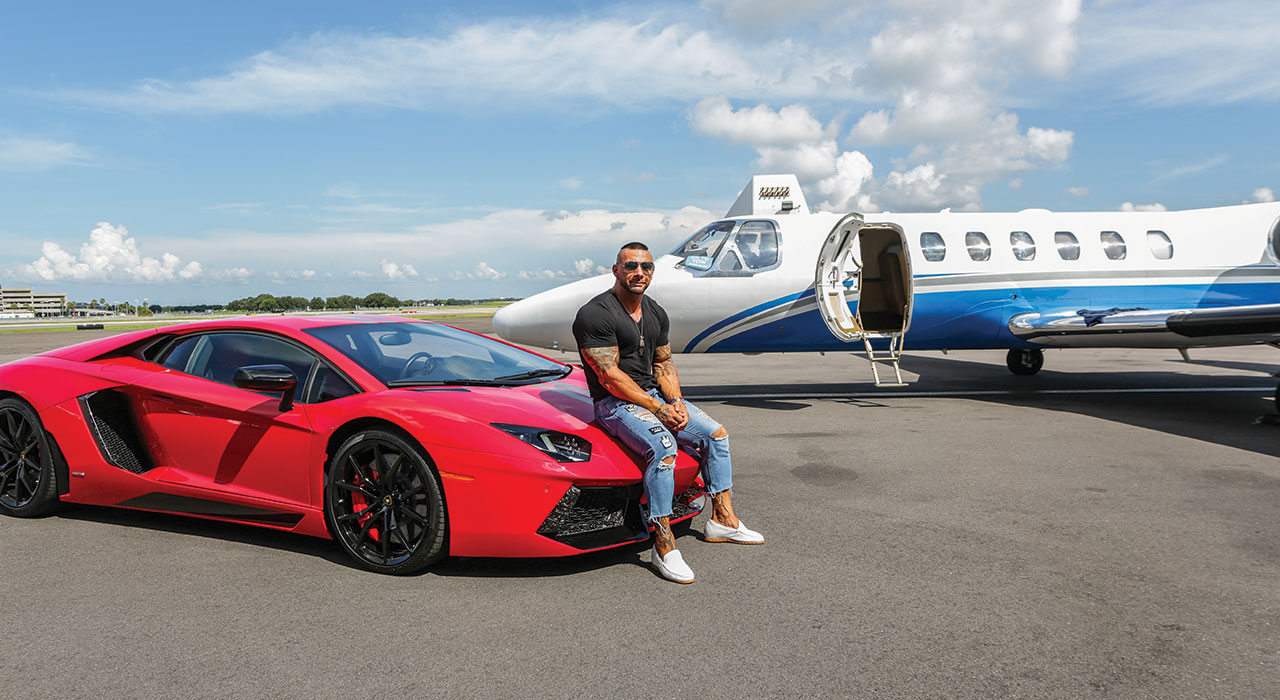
x,y
770,195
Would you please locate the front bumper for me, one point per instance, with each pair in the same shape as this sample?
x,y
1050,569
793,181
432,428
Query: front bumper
x,y
596,517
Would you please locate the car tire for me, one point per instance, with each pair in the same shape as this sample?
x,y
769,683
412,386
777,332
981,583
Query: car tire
x,y
28,485
384,503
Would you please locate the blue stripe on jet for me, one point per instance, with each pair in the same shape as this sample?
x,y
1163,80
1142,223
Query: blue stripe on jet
x,y
978,319
747,313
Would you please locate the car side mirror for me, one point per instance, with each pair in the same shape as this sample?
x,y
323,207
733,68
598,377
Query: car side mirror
x,y
271,378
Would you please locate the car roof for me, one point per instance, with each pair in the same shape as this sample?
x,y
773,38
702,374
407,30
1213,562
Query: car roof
x,y
288,323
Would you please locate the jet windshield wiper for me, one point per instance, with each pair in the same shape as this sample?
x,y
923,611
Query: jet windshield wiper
x,y
536,373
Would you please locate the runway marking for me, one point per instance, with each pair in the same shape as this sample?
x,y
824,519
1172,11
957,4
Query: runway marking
x,y
963,394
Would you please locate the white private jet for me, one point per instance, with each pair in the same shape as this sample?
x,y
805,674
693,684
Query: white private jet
x,y
771,276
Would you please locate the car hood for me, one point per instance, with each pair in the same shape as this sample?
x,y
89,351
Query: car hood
x,y
563,405
451,416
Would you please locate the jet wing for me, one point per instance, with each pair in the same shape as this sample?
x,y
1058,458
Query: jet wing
x,y
1231,325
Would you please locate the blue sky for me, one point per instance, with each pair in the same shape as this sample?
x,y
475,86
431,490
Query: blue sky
x,y
198,153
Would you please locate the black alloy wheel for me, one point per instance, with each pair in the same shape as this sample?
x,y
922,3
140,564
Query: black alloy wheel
x,y
384,503
27,483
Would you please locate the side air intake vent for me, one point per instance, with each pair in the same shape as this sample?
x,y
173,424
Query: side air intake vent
x,y
111,421
597,516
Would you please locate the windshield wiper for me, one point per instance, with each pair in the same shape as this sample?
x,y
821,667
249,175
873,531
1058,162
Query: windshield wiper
x,y
397,383
536,373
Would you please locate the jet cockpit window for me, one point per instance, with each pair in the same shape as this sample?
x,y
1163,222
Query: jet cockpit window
x,y
757,243
1024,246
932,246
1068,246
1113,245
978,246
1160,245
699,252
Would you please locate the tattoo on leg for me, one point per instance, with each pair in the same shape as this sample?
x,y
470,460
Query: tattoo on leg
x,y
662,536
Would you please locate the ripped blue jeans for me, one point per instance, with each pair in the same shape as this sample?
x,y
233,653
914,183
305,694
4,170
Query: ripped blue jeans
x,y
641,431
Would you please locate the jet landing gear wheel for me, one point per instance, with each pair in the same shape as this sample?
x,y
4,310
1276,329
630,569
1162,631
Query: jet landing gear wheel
x,y
384,504
1025,362
27,485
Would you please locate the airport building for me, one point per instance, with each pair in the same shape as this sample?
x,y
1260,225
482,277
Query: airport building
x,y
22,302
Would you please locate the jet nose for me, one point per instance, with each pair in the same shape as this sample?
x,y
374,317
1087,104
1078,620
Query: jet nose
x,y
546,320
520,322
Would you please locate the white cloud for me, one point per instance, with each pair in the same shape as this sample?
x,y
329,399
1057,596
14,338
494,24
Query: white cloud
x,y
932,176
484,271
609,61
1130,206
755,126
1263,194
1184,51
387,271
941,67
764,15
233,274
373,208
397,271
1079,191
1190,168
19,154
109,256
587,267
571,183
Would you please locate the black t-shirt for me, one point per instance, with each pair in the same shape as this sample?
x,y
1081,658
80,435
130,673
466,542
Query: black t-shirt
x,y
604,323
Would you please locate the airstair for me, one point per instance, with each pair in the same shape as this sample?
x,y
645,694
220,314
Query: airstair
x,y
867,264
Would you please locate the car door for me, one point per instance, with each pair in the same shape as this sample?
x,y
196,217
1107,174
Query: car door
x,y
212,434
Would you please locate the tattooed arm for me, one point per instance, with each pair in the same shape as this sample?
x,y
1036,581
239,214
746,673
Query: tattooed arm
x,y
664,370
604,362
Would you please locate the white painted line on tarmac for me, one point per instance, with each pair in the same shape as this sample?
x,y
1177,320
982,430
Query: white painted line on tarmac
x,y
890,394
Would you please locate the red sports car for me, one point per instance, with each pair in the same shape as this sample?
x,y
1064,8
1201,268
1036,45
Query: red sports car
x,y
406,441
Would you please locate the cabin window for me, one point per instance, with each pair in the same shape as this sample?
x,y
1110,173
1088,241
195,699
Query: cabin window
x,y
1113,245
978,246
1160,245
1024,246
757,243
699,252
932,246
1068,246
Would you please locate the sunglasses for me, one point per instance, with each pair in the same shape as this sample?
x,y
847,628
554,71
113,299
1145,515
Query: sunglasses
x,y
631,265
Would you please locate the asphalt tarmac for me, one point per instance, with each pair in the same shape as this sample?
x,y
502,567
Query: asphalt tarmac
x,y
1107,528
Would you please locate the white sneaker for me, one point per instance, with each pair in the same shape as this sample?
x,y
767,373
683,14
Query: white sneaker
x,y
715,532
672,567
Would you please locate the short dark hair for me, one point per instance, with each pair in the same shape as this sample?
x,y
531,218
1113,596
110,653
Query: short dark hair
x,y
633,245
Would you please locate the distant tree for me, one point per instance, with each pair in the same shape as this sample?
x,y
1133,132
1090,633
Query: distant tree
x,y
144,311
155,308
380,300
343,301
317,303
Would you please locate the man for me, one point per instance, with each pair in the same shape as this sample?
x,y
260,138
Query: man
x,y
622,338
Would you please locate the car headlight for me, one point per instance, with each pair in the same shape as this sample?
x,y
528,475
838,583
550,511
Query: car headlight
x,y
562,447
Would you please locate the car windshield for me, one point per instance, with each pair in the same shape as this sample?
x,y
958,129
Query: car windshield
x,y
424,354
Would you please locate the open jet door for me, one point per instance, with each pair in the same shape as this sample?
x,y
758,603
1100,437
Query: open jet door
x,y
866,264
